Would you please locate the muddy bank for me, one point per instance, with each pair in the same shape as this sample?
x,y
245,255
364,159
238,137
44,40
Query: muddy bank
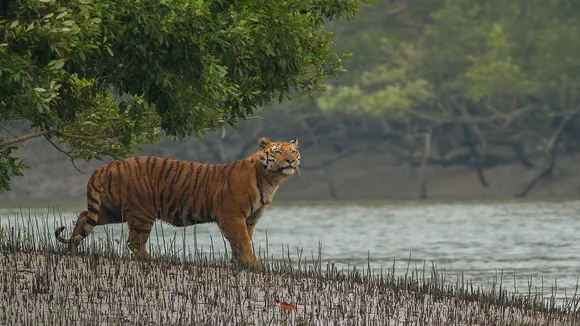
x,y
93,290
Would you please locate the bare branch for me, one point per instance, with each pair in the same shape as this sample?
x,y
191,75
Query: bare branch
x,y
471,120
338,157
252,118
401,6
478,153
551,153
24,138
78,137
424,163
8,131
72,160
464,157
41,133
517,146
256,117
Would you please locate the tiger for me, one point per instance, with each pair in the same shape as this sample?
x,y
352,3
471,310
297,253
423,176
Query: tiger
x,y
142,189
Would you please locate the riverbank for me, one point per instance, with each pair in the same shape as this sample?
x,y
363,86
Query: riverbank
x,y
57,288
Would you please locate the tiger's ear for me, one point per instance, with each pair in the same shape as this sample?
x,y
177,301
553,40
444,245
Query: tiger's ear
x,y
294,141
263,142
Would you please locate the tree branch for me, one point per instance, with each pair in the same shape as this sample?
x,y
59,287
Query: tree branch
x,y
465,158
24,138
551,152
424,163
72,160
480,157
8,131
470,120
401,5
517,147
337,157
78,137
252,118
41,133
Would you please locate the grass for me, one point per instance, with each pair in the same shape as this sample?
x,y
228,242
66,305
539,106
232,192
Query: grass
x,y
42,283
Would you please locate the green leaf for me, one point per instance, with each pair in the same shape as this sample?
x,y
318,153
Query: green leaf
x,y
61,15
39,107
58,64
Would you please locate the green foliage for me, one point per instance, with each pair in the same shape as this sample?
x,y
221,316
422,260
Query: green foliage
x,y
485,56
9,166
388,90
494,71
185,67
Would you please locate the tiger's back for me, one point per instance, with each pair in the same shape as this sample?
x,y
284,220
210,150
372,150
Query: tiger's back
x,y
179,192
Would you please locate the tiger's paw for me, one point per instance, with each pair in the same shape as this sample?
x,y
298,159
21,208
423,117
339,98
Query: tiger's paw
x,y
258,265
254,265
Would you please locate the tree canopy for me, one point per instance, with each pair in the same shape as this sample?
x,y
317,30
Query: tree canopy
x,y
106,76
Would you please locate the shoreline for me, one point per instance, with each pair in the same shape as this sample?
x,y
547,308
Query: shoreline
x,y
80,203
92,288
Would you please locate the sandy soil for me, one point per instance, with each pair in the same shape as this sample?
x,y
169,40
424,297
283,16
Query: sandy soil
x,y
52,288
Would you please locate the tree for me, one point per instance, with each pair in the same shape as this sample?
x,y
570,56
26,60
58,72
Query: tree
x,y
183,67
492,82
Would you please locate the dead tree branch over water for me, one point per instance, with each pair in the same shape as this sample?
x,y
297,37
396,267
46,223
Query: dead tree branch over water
x,y
550,153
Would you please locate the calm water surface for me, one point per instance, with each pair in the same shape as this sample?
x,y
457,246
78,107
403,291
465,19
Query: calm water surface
x,y
478,240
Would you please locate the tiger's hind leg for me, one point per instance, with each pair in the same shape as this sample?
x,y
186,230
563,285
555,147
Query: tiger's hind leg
x,y
139,231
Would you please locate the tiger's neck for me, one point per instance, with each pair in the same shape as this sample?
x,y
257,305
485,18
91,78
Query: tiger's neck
x,y
267,183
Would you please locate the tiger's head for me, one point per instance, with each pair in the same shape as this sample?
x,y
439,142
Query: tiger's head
x,y
279,157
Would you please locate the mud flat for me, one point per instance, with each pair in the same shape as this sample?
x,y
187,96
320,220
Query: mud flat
x,y
41,283
52,287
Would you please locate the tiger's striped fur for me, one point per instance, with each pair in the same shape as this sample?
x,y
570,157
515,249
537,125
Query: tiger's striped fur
x,y
140,190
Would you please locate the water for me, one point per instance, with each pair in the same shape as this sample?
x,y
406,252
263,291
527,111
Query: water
x,y
477,240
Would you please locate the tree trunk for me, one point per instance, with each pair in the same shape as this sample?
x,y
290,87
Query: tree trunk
x,y
330,183
424,163
551,158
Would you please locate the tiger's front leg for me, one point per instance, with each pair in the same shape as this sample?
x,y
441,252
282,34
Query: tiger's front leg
x,y
238,236
253,219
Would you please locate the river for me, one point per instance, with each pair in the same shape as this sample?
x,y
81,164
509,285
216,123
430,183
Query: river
x,y
476,240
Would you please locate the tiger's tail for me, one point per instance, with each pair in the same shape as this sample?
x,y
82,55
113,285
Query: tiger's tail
x,y
90,218
87,220
57,233
78,229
